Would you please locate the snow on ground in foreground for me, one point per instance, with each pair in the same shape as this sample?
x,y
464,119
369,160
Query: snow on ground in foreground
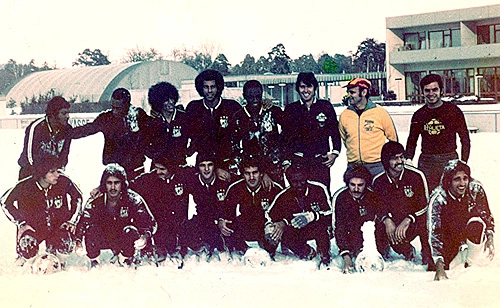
x,y
288,282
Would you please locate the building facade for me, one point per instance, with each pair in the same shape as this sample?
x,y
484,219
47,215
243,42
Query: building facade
x,y
463,46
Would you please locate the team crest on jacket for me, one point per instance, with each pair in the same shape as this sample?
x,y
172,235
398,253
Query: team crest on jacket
x,y
264,202
179,189
321,119
224,122
124,212
369,124
56,203
221,193
315,206
176,131
409,191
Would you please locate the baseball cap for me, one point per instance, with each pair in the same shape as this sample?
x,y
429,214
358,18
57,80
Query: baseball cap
x,y
359,82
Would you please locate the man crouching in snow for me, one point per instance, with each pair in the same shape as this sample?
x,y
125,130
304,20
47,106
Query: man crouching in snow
x,y
117,219
301,212
40,208
459,219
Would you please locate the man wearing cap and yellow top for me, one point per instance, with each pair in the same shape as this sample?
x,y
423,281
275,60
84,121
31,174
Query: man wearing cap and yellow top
x,y
365,127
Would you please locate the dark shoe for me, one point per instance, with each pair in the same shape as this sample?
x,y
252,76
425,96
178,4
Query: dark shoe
x,y
311,254
94,263
324,262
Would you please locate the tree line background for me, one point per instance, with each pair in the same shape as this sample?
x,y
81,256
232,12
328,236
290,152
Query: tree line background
x,y
369,57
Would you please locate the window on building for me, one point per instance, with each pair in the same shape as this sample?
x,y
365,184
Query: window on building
x,y
412,85
488,34
489,84
444,38
414,41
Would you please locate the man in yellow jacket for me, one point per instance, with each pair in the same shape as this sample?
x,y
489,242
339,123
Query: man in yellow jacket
x,y
365,127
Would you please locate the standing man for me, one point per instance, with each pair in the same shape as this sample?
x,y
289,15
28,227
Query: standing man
x,y
438,123
213,126
117,219
47,135
39,207
245,205
301,212
403,195
460,220
125,133
258,129
365,127
164,190
168,129
308,126
354,204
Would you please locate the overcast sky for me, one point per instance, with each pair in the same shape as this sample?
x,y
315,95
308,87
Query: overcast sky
x,y
55,31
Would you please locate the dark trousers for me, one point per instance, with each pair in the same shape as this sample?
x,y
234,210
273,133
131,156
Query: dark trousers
x,y
296,239
237,240
56,240
119,241
432,166
404,248
202,232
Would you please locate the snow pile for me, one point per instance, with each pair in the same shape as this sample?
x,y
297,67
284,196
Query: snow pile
x,y
223,282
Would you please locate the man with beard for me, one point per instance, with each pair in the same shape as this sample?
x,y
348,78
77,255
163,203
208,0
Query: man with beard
x,y
165,192
365,127
245,204
45,207
403,195
258,129
308,126
438,123
460,221
47,135
117,219
354,204
124,130
213,125
299,213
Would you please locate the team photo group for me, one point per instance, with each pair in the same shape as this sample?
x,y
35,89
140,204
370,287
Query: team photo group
x,y
260,181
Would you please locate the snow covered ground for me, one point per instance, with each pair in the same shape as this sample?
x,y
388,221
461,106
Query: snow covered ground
x,y
289,282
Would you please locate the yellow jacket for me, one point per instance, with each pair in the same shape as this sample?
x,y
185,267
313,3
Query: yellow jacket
x,y
364,135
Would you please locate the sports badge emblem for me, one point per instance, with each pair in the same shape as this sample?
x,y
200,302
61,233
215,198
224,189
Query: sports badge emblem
x,y
124,212
221,193
224,122
176,131
315,207
264,203
409,191
57,203
321,119
179,189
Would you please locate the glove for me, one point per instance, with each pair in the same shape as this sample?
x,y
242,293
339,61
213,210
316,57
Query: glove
x,y
302,219
140,243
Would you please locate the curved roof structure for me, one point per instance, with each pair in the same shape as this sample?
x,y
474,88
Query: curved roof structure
x,y
97,83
